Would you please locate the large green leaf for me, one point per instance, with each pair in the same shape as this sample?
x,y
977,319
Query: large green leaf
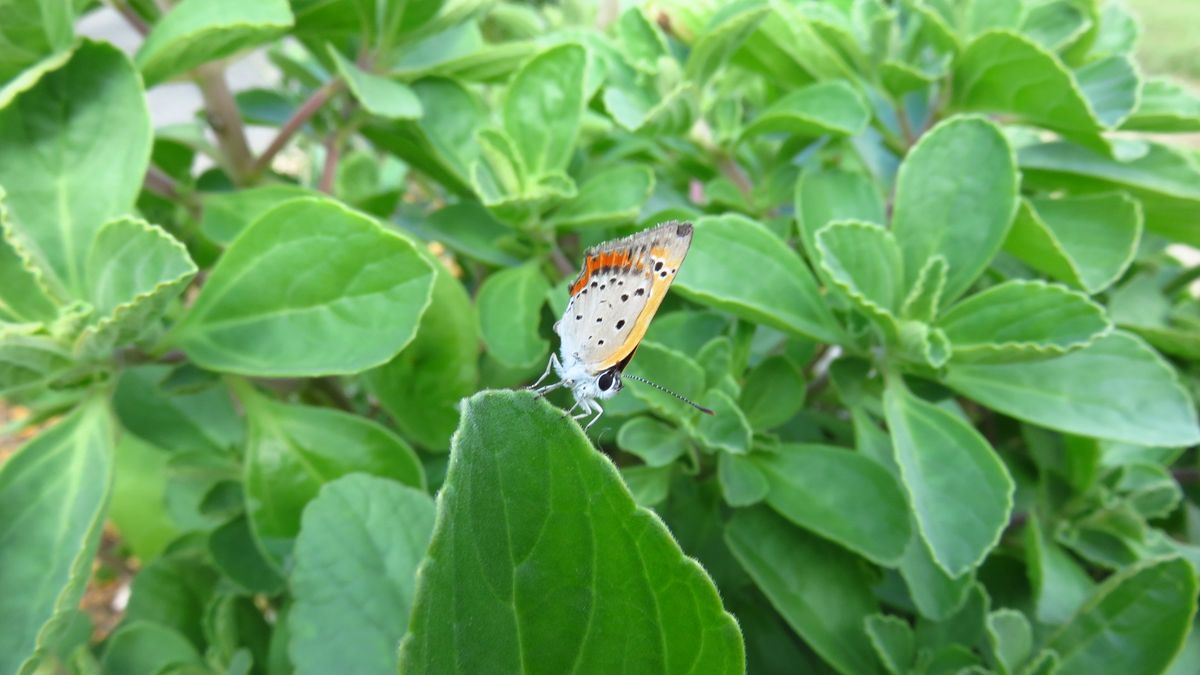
x,y
30,31
1116,388
1135,623
76,146
944,460
826,108
839,495
510,310
293,450
1002,71
822,591
541,563
132,271
354,581
543,107
53,495
284,300
421,387
138,508
956,195
738,265
1086,241
195,32
1019,318
1165,180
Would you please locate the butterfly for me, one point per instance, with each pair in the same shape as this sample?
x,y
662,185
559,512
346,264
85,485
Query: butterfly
x,y
618,291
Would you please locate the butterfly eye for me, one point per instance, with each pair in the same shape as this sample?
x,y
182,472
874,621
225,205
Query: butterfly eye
x,y
606,380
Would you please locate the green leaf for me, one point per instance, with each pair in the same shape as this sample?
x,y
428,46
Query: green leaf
x,y
742,483
23,298
195,32
956,194
360,543
203,420
543,107
1002,71
727,430
893,641
728,28
1087,241
572,571
293,450
826,195
1135,623
925,296
236,553
839,495
354,306
53,494
510,311
1022,318
60,193
29,362
671,369
377,94
133,270
1060,584
656,443
138,508
1055,25
609,197
442,142
31,30
1164,180
226,214
822,591
865,262
172,591
1166,106
649,485
144,647
773,393
1010,639
826,108
421,387
1116,388
737,265
944,460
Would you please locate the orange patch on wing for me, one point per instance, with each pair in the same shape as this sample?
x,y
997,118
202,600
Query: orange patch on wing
x,y
596,262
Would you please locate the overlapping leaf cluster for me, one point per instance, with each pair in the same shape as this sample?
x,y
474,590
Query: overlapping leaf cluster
x,y
934,297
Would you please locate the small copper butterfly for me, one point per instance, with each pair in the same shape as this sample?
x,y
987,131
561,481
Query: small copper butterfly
x,y
617,293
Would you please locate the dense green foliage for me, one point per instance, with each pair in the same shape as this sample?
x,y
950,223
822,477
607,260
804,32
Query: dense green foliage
x,y
930,296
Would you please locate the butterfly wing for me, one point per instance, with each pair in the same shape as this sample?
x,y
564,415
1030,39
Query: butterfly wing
x,y
617,293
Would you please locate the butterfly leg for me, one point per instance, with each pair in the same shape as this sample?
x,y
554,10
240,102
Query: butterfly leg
x,y
570,410
550,366
599,412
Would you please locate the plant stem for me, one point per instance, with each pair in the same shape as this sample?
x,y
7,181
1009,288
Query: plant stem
x,y
333,149
730,169
306,110
226,121
158,181
131,17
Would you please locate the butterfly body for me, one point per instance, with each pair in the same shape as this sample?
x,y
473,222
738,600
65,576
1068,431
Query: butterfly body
x,y
617,293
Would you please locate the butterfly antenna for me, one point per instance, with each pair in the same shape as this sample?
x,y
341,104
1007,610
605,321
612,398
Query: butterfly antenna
x,y
659,387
